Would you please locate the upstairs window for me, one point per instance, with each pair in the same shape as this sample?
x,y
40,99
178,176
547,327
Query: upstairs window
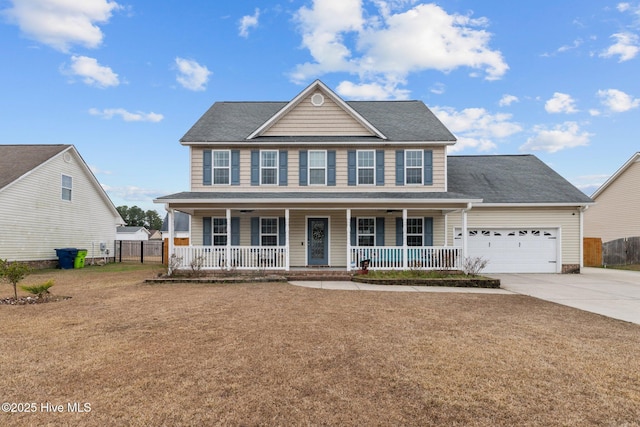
x,y
317,168
269,167
413,166
221,167
366,167
67,186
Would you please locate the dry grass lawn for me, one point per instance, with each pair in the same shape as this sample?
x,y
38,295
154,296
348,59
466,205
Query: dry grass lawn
x,y
275,354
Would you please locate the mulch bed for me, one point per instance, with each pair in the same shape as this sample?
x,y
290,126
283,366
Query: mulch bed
x,y
32,300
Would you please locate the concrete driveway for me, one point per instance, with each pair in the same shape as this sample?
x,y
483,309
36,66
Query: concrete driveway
x,y
612,293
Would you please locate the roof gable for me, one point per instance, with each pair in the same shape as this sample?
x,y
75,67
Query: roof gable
x,y
317,111
634,159
18,160
397,121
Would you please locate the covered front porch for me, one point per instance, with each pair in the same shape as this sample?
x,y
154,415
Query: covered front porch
x,y
258,236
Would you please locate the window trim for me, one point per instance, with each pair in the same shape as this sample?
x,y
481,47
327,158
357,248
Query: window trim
x,y
358,234
325,168
63,188
214,167
276,168
421,234
276,234
213,231
373,167
407,167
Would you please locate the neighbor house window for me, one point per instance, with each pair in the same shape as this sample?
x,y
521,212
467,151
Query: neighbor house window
x,y
366,167
413,166
317,168
219,231
366,231
67,186
269,167
269,231
221,167
414,232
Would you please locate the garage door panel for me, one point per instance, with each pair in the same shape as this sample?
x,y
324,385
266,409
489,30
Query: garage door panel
x,y
514,250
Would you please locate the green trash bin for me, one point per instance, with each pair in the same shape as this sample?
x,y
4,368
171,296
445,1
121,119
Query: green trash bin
x,y
79,261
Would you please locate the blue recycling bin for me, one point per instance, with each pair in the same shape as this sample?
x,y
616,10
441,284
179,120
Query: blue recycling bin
x,y
67,257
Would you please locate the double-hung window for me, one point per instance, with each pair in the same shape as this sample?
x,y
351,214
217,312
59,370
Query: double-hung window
x,y
413,166
366,167
269,231
317,168
221,166
67,186
219,231
366,231
269,167
414,232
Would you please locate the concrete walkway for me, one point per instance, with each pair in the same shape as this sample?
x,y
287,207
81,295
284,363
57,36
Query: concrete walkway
x,y
612,293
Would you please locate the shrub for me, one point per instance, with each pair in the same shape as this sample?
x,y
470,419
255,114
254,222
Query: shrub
x,y
13,272
39,290
472,266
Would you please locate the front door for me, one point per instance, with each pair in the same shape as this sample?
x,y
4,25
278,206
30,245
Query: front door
x,y
318,241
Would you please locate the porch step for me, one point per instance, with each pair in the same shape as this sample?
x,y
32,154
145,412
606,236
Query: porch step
x,y
318,275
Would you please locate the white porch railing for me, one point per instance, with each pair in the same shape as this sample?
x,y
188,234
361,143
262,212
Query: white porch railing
x,y
419,258
234,257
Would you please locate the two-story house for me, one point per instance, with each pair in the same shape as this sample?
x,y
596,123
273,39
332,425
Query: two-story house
x,y
319,181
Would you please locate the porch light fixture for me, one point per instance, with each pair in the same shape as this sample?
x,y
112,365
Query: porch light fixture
x,y
246,211
392,211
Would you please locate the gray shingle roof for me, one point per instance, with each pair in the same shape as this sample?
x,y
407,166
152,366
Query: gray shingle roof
x,y
180,222
16,160
315,196
511,179
397,120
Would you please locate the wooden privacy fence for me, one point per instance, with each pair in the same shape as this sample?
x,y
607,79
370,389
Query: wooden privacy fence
x,y
592,252
177,241
149,251
621,251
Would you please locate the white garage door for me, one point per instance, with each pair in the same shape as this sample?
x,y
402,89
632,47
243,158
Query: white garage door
x,y
511,250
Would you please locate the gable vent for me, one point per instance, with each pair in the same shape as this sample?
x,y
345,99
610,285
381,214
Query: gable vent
x,y
317,99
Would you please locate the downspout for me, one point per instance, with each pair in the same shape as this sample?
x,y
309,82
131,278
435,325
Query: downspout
x,y
581,211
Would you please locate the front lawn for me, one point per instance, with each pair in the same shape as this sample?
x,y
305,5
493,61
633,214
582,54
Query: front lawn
x,y
276,354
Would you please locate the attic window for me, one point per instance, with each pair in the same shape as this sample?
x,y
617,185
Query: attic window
x,y
317,99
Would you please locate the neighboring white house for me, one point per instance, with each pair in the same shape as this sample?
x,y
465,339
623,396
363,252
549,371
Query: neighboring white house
x,y
50,199
319,181
132,233
615,214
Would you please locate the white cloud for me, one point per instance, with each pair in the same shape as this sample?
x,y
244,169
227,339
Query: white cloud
x,y
626,47
62,23
589,183
476,127
132,193
617,101
371,91
507,100
249,21
566,135
192,75
438,88
560,103
92,73
127,116
389,46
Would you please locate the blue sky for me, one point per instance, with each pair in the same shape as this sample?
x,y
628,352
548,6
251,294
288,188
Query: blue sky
x,y
124,81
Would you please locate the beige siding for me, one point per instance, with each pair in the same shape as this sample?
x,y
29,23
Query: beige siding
x,y
308,119
567,219
35,220
615,214
439,171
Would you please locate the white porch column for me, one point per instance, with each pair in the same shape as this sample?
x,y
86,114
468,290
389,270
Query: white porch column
x,y
287,261
170,242
348,239
464,232
227,251
446,229
405,252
